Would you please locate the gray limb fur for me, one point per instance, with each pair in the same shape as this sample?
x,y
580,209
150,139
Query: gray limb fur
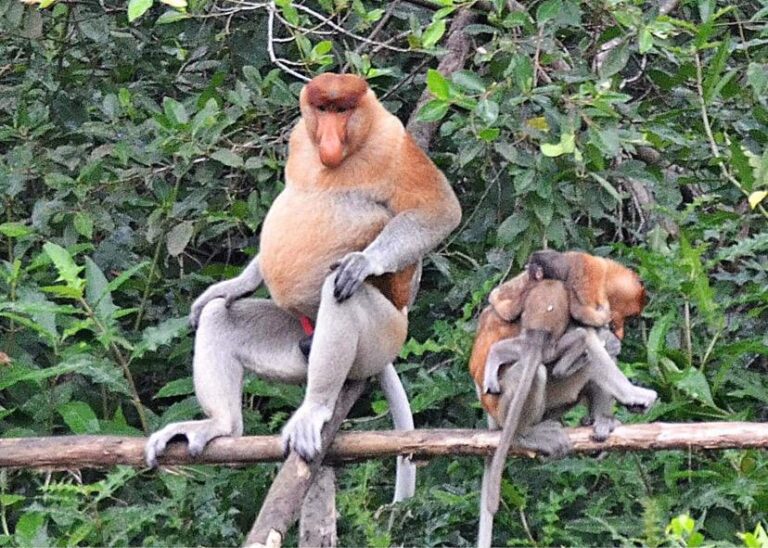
x,y
530,363
365,332
407,238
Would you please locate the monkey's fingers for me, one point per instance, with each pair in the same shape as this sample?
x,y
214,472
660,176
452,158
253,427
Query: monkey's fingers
x,y
353,270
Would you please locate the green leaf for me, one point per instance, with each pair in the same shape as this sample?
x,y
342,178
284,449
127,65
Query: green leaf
x,y
65,265
712,80
137,8
552,151
614,61
115,284
178,387
489,134
79,417
757,77
15,230
548,10
694,384
7,499
178,237
609,188
159,335
468,80
31,530
437,84
433,111
565,146
228,158
657,339
433,33
97,291
83,224
488,111
740,163
322,48
171,16
512,227
17,373
175,112
644,40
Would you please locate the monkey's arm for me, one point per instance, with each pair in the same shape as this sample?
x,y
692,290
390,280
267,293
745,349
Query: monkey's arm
x,y
506,351
426,211
247,282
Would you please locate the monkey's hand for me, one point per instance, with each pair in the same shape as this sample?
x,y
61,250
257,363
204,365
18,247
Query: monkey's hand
x,y
229,290
611,341
352,271
302,432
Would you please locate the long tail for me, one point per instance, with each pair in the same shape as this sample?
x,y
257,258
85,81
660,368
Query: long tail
x,y
402,418
530,361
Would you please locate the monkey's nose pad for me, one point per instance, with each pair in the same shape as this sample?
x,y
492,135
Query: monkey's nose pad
x,y
305,345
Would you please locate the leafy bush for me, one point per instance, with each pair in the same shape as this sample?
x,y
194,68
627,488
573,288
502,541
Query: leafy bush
x,y
141,145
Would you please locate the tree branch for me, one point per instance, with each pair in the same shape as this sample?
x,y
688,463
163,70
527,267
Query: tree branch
x,y
458,45
65,452
283,502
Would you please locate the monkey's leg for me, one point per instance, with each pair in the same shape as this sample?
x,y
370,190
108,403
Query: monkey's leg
x,y
402,418
606,375
600,404
567,352
355,338
251,333
598,315
506,351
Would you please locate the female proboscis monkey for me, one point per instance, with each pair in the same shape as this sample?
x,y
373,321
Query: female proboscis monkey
x,y
341,245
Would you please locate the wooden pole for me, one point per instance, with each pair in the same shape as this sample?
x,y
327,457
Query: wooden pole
x,y
64,452
284,499
317,524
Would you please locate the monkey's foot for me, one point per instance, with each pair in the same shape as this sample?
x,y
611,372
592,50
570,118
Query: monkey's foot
x,y
547,437
638,399
198,434
602,426
302,432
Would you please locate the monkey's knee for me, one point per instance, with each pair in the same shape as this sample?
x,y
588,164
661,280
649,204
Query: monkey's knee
x,y
214,314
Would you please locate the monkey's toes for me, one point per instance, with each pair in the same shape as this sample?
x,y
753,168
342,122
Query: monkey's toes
x,y
603,426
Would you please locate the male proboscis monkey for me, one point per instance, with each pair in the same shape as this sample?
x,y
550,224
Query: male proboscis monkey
x,y
359,196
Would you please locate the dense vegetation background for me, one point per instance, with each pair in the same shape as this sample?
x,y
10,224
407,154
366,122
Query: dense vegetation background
x,y
141,145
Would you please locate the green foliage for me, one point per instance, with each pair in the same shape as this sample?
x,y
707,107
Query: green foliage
x,y
141,144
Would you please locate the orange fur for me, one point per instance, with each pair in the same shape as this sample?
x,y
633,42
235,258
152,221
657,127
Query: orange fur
x,y
601,290
338,201
617,285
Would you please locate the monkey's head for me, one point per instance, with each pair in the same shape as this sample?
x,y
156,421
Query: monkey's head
x,y
627,297
337,111
548,264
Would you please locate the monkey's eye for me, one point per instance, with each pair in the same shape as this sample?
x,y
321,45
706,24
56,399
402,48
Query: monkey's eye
x,y
322,108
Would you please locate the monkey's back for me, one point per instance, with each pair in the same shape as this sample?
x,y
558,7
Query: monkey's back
x,y
304,233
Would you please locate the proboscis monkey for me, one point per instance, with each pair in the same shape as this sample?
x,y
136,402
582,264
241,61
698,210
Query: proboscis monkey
x,y
584,366
601,290
341,247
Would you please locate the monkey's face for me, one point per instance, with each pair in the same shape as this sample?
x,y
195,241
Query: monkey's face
x,y
336,114
627,303
548,264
